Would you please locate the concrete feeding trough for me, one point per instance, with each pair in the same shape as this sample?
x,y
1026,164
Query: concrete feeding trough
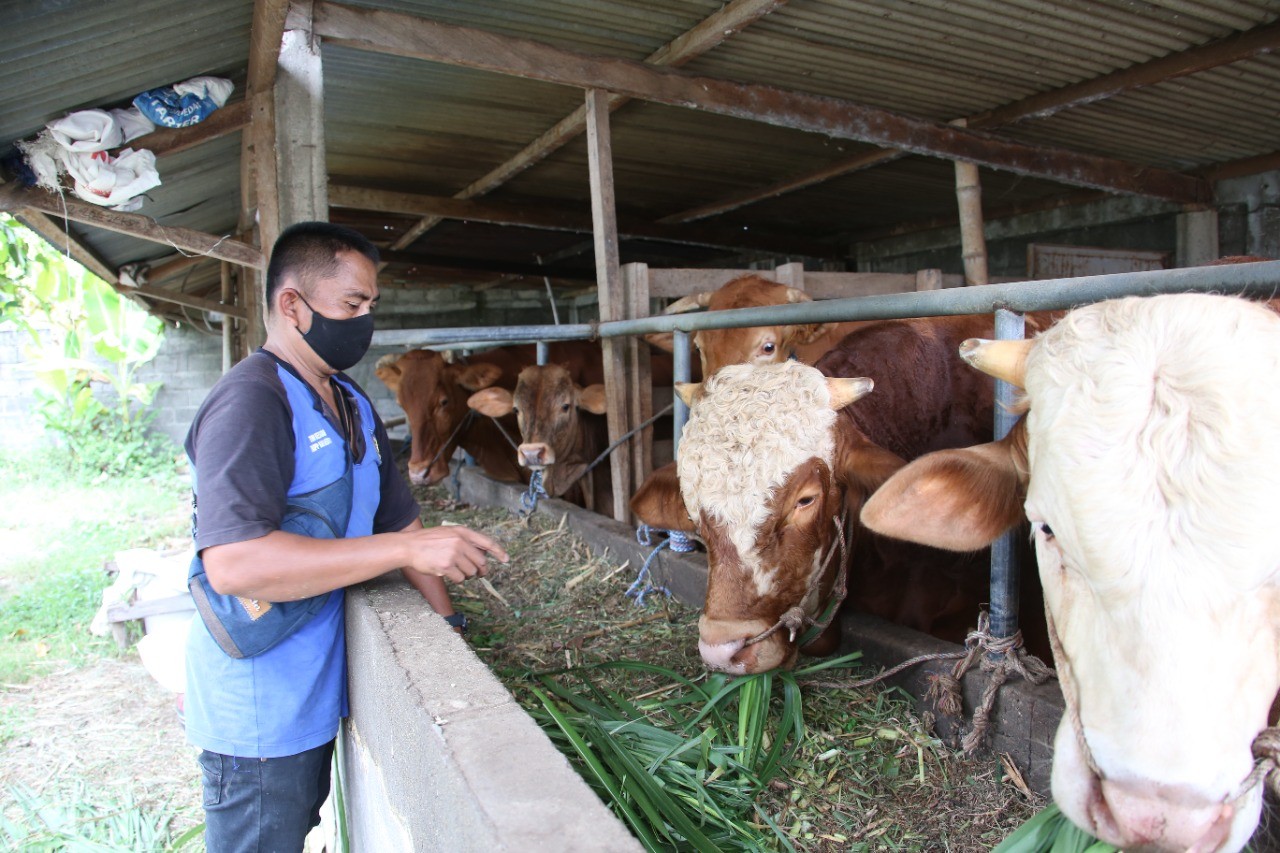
x,y
439,755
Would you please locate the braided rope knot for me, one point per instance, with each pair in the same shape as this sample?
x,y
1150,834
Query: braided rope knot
x,y
529,500
1266,767
641,586
998,657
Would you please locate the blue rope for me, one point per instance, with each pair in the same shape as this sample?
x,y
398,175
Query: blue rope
x,y
529,500
676,541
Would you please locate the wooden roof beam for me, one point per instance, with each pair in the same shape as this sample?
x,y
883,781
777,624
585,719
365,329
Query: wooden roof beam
x,y
166,140
553,218
1224,51
708,33
447,263
409,36
67,243
135,225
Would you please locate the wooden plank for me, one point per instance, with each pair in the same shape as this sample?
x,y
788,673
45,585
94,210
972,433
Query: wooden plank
x,y
228,325
135,225
928,279
711,31
1212,55
171,140
555,218
61,239
178,298
474,265
154,607
406,35
613,303
265,35
674,283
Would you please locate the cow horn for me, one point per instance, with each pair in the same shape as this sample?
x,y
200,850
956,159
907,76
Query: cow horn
x,y
1005,360
689,392
795,294
388,360
692,302
845,391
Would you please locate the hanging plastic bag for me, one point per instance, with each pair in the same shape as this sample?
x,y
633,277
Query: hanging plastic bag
x,y
87,130
112,181
185,103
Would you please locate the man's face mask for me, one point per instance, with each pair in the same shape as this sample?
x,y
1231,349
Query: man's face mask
x,y
339,343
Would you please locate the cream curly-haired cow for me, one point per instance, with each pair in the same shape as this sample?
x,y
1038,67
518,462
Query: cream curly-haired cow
x,y
1148,464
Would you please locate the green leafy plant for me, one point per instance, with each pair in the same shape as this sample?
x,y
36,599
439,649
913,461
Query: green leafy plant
x,y
84,821
684,772
84,337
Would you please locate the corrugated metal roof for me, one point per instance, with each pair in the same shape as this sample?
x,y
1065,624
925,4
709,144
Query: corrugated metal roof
x,y
402,124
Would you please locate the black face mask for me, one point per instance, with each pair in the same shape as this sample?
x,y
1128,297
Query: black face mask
x,y
339,343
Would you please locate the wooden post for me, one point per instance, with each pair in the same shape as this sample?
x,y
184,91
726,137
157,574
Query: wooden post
x,y
973,241
792,275
635,283
301,177
228,324
613,302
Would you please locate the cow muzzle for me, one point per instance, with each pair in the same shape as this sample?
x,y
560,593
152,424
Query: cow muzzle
x,y
535,455
722,643
1147,817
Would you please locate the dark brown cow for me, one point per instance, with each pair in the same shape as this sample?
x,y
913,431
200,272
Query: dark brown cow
x,y
433,394
765,487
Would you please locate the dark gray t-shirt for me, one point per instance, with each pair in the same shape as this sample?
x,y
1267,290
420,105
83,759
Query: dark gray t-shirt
x,y
241,445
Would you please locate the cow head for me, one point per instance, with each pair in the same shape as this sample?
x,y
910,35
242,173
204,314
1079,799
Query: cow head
x,y
549,406
754,345
757,471
1150,458
433,395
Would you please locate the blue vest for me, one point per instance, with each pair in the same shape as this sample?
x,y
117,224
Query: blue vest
x,y
291,697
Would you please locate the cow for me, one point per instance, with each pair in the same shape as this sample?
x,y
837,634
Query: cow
x,y
562,430
1148,465
434,392
761,484
759,344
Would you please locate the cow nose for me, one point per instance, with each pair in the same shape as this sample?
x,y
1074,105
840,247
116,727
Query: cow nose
x,y
723,644
418,476
535,455
724,657
1147,817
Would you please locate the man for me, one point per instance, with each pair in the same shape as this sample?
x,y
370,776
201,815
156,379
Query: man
x,y
282,427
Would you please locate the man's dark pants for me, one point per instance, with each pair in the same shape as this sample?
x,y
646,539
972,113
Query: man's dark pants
x,y
263,805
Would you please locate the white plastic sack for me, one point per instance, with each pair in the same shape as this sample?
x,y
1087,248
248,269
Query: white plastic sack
x,y
216,89
164,653
87,130
132,123
112,181
42,155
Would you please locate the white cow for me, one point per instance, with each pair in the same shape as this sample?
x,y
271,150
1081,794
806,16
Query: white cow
x,y
1149,459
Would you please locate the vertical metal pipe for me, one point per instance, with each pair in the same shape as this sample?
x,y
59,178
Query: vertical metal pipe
x,y
542,352
682,371
1005,571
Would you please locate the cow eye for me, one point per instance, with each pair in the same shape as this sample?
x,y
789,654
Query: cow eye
x,y
1046,530
768,347
565,407
444,403
805,501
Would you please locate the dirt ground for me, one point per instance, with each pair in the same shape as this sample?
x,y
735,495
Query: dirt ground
x,y
109,725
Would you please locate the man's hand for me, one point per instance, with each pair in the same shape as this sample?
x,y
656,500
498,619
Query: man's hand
x,y
453,553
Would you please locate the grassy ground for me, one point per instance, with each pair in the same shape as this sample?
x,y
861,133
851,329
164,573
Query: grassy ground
x,y
56,532
91,752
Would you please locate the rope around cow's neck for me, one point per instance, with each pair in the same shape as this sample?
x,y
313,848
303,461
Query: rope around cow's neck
x,y
795,618
467,419
612,447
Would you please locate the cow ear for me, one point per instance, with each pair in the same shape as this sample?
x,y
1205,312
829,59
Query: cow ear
x,y
960,500
689,392
473,377
658,502
494,402
865,467
664,341
592,399
389,372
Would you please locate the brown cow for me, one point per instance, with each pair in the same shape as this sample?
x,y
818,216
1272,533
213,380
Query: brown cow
x,y
759,344
433,394
764,488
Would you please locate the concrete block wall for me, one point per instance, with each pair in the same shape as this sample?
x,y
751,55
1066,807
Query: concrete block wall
x,y
438,755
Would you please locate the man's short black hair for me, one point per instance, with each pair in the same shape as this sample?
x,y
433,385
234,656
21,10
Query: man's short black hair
x,y
309,250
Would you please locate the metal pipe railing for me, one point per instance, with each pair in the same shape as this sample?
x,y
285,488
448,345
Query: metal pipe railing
x,y
1007,302
1259,279
682,371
